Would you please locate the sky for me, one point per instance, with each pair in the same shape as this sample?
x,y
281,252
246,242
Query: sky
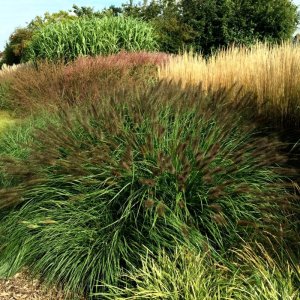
x,y
17,13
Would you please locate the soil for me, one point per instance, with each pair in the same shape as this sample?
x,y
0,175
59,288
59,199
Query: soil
x,y
22,287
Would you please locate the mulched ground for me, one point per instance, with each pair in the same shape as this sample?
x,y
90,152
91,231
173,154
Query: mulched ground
x,y
21,287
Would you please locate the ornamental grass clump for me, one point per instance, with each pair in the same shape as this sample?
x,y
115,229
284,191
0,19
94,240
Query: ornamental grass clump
x,y
50,85
271,72
188,275
155,170
90,37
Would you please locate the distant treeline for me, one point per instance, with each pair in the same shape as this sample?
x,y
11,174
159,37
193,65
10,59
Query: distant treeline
x,y
203,26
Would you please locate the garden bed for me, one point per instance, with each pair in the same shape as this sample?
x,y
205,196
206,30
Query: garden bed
x,y
21,286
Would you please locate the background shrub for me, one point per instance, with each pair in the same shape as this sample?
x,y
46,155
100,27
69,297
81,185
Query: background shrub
x,y
15,48
20,39
208,25
154,170
91,36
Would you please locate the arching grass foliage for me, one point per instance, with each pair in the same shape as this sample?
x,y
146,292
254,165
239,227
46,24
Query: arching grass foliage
x,y
155,170
90,36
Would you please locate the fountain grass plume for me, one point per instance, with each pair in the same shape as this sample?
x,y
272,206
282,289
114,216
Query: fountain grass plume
x,y
150,170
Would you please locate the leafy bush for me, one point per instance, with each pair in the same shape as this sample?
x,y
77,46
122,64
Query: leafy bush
x,y
20,39
208,25
162,168
91,36
16,46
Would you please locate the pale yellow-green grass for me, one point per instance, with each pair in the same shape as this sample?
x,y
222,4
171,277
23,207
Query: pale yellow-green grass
x,y
6,119
271,72
193,276
6,69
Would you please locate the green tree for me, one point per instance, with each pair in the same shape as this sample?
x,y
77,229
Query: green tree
x,y
20,39
14,49
274,20
207,25
165,16
173,34
222,22
85,11
47,18
209,21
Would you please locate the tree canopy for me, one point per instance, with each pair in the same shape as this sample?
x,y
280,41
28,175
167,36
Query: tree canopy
x,y
204,25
